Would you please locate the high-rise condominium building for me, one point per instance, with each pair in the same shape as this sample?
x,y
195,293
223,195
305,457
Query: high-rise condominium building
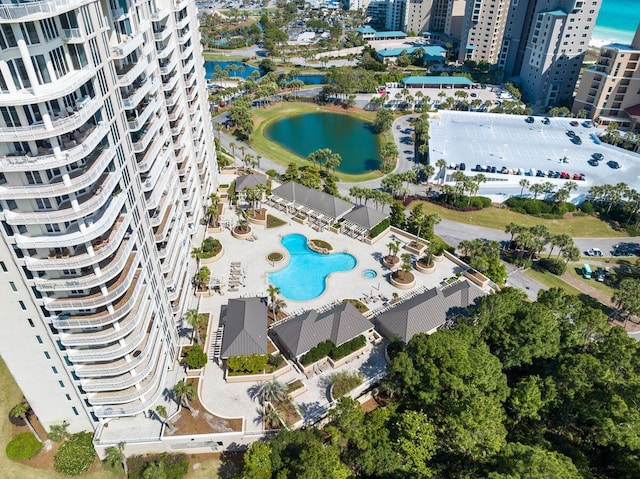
x,y
484,24
544,46
610,90
106,156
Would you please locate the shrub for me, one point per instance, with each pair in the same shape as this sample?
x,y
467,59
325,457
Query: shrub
x,y
195,357
175,466
317,352
253,364
76,455
23,446
275,360
273,174
523,263
553,265
343,382
210,245
587,207
379,228
348,347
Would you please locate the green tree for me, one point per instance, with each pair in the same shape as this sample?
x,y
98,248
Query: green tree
x,y
257,461
115,457
397,214
384,120
21,410
416,443
269,391
627,298
184,392
520,461
58,432
194,319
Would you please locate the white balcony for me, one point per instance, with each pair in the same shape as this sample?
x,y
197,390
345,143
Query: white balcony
x,y
125,305
160,14
184,22
163,228
97,224
37,9
184,54
107,273
150,156
72,35
168,67
160,190
183,38
112,334
175,113
173,98
143,140
89,203
159,166
162,34
142,118
128,73
166,50
139,93
128,43
171,83
144,385
56,89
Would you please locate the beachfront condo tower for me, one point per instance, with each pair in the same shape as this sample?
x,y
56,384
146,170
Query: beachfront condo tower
x,y
106,159
610,90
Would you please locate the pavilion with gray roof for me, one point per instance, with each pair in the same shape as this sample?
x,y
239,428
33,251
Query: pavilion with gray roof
x,y
305,331
361,220
427,312
318,205
245,328
249,181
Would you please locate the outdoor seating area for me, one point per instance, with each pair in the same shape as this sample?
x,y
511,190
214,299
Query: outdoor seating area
x,y
236,276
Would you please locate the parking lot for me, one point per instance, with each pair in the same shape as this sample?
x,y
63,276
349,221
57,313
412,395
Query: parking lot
x,y
509,141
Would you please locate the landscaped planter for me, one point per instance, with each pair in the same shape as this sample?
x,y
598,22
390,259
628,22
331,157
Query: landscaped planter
x,y
438,257
298,392
424,268
476,277
251,378
213,259
415,248
391,262
342,361
407,281
302,221
240,235
256,221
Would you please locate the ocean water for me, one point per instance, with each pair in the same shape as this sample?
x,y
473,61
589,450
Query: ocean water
x,y
617,21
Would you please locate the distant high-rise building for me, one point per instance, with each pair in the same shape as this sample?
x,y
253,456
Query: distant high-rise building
x,y
544,46
610,90
483,29
106,157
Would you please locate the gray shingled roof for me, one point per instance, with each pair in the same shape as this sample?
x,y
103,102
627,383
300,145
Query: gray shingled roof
x,y
319,201
365,216
339,324
249,181
428,311
245,328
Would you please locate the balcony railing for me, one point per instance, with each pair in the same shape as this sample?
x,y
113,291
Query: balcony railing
x,y
159,191
72,35
168,67
148,159
130,72
143,140
148,109
139,92
98,224
160,14
38,9
128,43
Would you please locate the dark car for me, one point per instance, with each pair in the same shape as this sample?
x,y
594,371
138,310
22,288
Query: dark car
x,y
551,174
479,168
493,169
574,123
540,173
599,274
530,119
576,140
546,121
504,170
463,167
597,156
593,162
613,164
571,133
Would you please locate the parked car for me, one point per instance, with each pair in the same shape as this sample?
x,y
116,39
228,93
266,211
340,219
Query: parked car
x,y
613,164
571,133
541,173
587,123
546,121
599,274
576,140
504,170
593,162
574,123
530,119
597,156
593,252
473,95
463,167
493,169
564,175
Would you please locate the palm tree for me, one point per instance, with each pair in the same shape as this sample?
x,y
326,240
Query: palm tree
x,y
161,411
536,189
525,184
58,432
441,164
155,470
21,410
270,391
184,392
273,291
232,145
202,277
195,253
406,264
193,319
271,417
394,247
115,456
278,305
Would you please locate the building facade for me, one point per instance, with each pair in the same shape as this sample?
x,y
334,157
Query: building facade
x,y
610,90
106,158
544,45
483,30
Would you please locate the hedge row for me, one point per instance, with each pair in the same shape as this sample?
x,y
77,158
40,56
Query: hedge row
x,y
76,455
347,348
253,364
379,228
541,208
553,265
318,352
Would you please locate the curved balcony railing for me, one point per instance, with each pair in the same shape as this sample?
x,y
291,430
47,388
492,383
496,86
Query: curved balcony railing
x,y
160,190
130,302
60,126
47,160
37,9
149,158
128,74
102,221
163,227
91,280
142,118
128,44
184,22
145,139
160,14
139,93
127,395
112,335
152,176
80,178
89,203
171,83
119,366
56,89
169,67
184,54
176,112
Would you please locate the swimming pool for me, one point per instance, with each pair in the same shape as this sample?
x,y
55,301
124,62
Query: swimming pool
x,y
305,276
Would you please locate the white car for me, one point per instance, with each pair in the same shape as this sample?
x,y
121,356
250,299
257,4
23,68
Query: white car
x,y
594,252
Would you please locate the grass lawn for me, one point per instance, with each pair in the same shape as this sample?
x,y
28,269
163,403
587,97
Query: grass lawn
x,y
552,281
264,116
575,270
220,56
498,218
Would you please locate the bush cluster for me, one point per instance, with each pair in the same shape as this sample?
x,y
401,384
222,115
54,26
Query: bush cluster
x,y
553,265
587,208
343,382
23,446
347,348
195,357
253,364
463,203
541,208
317,352
379,228
175,466
76,455
275,360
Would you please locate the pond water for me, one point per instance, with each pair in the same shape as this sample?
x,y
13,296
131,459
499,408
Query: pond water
x,y
352,138
311,79
244,70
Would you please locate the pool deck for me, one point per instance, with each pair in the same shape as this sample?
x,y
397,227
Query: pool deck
x,y
234,400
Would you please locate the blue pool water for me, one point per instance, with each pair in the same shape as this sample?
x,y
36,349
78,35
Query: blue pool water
x,y
369,273
305,276
242,69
